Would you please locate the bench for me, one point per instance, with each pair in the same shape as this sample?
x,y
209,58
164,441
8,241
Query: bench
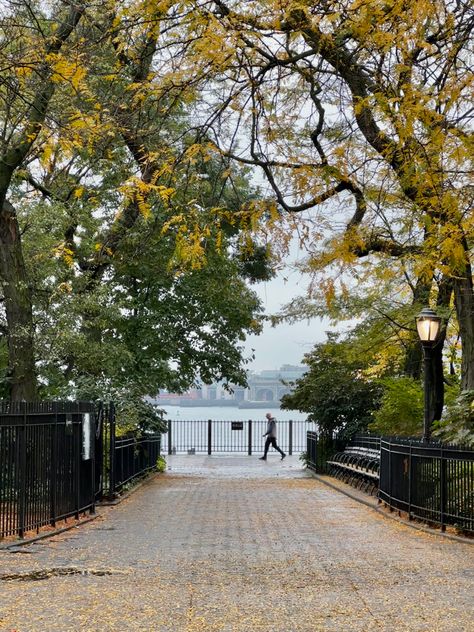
x,y
358,466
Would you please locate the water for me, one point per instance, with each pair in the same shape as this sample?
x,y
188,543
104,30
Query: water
x,y
229,413
190,430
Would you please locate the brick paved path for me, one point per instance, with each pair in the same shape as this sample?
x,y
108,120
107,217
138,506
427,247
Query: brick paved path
x,y
234,545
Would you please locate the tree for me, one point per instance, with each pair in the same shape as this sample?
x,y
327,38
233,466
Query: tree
x,y
334,392
90,128
26,92
368,107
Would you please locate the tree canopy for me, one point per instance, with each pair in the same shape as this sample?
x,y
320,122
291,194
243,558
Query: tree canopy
x,y
122,264
334,392
362,112
134,121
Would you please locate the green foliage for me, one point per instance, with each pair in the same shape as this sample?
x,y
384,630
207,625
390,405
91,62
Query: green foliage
x,y
161,464
153,322
457,423
304,458
134,414
334,392
401,408
255,263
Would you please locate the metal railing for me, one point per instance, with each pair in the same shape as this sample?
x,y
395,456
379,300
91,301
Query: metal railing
x,y
47,464
124,457
320,450
428,481
210,437
58,458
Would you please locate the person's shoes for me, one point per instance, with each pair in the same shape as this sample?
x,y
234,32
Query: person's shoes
x,y
263,458
283,457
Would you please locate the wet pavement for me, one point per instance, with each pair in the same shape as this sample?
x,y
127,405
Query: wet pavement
x,y
234,544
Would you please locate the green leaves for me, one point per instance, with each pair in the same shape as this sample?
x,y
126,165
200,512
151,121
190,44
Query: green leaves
x,y
457,423
334,391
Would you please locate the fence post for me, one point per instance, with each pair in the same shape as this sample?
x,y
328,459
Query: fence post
x,y
169,437
111,449
22,474
389,443
209,436
443,489
54,465
93,432
250,438
77,438
410,478
290,437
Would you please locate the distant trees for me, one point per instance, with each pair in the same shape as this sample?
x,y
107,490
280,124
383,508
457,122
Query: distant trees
x,y
334,392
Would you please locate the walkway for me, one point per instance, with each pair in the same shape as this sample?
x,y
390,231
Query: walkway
x,y
234,545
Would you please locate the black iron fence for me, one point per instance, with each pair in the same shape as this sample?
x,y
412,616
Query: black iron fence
x,y
126,456
210,437
320,449
58,458
47,464
428,481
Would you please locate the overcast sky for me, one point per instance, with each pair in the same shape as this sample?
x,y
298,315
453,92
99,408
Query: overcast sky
x,y
284,344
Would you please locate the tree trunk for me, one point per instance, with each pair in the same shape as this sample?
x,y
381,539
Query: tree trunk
x,y
18,309
464,302
445,291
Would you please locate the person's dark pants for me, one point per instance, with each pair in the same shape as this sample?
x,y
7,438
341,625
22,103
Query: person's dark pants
x,y
271,441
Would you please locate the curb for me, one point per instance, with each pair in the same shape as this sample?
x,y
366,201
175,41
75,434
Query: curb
x,y
49,534
407,523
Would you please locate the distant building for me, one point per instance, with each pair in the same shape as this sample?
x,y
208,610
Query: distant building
x,y
271,385
265,386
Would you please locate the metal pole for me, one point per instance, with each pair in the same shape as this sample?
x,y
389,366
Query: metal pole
x,y
111,449
93,464
22,431
209,436
410,478
427,387
250,437
443,489
76,437
290,437
54,465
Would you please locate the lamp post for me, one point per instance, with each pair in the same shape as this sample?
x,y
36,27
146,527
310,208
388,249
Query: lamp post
x,y
428,326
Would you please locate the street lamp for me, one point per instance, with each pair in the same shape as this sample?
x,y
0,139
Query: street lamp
x,y
428,325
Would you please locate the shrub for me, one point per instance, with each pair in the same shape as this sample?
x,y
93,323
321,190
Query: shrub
x,y
401,408
457,423
161,464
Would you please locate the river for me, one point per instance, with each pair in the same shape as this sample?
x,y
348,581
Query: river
x,y
228,413
191,432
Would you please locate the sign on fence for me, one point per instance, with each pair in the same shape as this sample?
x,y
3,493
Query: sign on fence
x,y
87,435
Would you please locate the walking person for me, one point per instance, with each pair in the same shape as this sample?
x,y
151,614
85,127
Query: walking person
x,y
271,437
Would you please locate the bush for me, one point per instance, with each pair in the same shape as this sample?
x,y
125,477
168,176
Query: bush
x,y
401,409
334,392
457,423
136,415
161,464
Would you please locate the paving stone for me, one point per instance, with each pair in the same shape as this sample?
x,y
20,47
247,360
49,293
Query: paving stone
x,y
235,544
